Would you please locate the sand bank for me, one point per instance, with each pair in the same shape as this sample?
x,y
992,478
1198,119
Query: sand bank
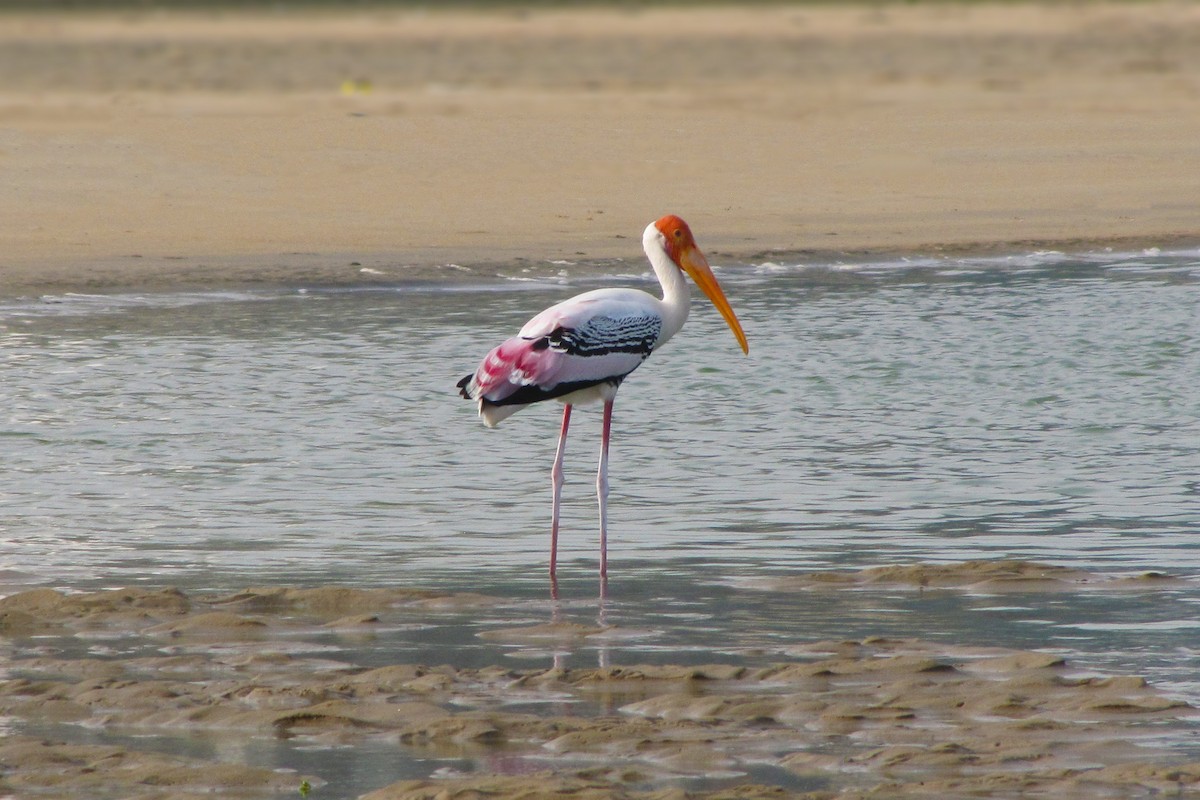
x,y
844,719
153,150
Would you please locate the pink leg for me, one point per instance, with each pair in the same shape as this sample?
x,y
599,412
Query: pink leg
x,y
602,494
556,479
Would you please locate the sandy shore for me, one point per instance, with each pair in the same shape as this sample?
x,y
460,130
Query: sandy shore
x,y
156,150
845,719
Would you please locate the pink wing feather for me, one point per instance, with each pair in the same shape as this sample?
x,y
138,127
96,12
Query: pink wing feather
x,y
515,363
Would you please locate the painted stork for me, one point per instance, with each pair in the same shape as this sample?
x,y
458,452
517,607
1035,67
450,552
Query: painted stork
x,y
581,349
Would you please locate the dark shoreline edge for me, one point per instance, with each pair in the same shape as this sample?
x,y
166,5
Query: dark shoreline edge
x,y
162,274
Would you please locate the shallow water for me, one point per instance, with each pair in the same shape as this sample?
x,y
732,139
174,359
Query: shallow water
x,y
1039,406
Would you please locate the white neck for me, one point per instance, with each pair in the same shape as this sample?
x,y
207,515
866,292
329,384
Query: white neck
x,y
676,299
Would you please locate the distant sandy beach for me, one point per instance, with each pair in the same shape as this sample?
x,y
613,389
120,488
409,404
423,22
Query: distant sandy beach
x,y
187,150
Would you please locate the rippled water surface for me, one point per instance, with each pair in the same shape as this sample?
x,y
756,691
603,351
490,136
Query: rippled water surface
x,y
1041,407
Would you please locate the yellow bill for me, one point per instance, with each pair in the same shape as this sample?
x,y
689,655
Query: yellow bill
x,y
696,265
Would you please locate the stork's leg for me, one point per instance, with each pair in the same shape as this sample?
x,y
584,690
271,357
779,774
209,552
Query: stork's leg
x,y
602,493
556,479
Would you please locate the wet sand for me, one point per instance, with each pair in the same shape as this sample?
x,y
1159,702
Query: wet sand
x,y
842,719
152,151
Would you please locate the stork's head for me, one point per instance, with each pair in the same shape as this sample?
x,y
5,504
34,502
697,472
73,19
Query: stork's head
x,y
681,248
